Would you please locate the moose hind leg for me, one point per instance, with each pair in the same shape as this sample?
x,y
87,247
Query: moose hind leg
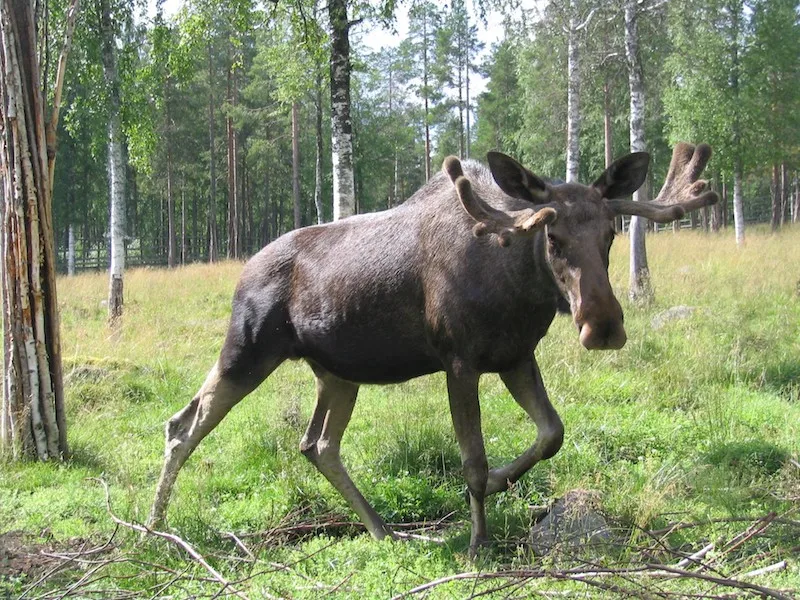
x,y
526,386
321,444
466,414
184,431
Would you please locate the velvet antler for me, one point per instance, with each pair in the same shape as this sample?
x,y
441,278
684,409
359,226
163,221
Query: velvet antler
x,y
682,191
490,219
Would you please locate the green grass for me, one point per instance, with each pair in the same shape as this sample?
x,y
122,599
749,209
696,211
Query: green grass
x,y
698,420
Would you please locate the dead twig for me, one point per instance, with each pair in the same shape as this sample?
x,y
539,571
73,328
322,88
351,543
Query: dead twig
x,y
778,566
172,538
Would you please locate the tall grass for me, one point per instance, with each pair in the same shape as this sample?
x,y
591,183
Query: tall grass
x,y
697,419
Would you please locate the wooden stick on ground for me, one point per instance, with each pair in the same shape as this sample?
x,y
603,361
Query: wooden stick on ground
x,y
172,538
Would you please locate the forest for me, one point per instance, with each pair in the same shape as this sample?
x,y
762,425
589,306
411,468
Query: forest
x,y
216,117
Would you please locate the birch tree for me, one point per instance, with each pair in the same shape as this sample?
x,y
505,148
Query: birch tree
x,y
574,29
344,200
32,421
116,161
640,287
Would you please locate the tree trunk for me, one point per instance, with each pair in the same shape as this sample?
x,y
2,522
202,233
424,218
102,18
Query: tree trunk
x,y
785,194
425,94
641,290
71,250
116,166
608,142
234,246
32,421
344,202
466,90
724,202
738,205
213,234
171,241
319,150
716,214
775,194
296,164
183,222
462,150
735,10
796,212
194,243
573,98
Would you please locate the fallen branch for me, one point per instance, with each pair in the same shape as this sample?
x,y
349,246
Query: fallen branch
x,y
595,577
778,566
694,558
172,538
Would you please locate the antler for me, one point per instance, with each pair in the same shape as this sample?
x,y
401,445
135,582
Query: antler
x,y
490,219
682,191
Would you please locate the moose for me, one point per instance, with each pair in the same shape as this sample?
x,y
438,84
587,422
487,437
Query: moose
x,y
465,277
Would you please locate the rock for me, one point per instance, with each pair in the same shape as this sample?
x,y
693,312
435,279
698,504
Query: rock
x,y
676,313
572,521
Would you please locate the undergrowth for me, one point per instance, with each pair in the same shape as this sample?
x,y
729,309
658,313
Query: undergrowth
x,y
695,422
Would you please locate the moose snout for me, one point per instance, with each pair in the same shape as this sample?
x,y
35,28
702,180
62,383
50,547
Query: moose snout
x,y
603,335
599,316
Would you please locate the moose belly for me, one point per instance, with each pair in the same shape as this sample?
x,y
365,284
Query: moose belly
x,y
366,351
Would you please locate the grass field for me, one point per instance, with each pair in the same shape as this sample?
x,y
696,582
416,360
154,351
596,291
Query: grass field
x,y
695,422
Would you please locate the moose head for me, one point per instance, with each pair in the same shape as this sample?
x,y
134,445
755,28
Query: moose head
x,y
578,223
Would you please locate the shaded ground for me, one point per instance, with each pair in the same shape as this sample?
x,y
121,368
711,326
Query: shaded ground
x,y
21,555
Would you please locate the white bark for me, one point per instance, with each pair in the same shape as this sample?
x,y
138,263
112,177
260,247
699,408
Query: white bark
x,y
344,200
116,167
640,286
573,98
71,250
116,182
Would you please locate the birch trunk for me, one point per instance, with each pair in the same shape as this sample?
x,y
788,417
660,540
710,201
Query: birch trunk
x,y
573,98
735,8
641,290
32,419
71,250
344,202
116,166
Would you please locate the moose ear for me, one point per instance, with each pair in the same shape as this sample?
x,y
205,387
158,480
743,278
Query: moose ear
x,y
515,180
624,176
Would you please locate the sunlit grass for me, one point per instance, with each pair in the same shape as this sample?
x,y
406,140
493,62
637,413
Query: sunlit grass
x,y
696,419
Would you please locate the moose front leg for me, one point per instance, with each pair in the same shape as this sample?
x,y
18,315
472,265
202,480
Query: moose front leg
x,y
466,413
526,386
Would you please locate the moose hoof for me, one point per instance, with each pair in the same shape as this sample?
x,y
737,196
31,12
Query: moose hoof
x,y
477,548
